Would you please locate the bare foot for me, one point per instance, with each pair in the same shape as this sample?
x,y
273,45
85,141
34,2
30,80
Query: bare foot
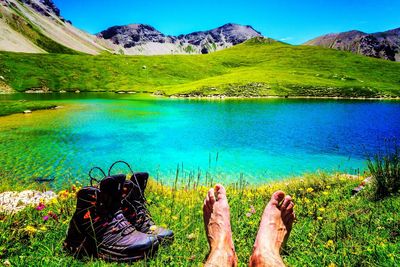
x,y
276,224
218,227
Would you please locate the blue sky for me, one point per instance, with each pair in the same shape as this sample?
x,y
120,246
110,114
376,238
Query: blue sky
x,y
287,20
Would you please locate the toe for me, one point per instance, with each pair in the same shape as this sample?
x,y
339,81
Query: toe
x,y
286,202
211,197
205,204
221,192
289,218
290,207
277,197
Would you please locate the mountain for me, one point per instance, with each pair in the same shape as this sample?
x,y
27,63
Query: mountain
x,y
145,39
385,45
36,26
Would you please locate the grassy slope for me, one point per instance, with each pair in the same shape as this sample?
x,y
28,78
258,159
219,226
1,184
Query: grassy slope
x,y
250,69
332,227
20,23
12,107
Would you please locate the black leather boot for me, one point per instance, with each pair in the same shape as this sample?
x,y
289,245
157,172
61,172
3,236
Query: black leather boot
x,y
135,211
98,227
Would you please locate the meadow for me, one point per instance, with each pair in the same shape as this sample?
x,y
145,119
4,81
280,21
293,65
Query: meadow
x,y
332,228
258,67
12,107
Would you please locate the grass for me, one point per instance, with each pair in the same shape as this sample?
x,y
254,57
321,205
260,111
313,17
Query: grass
x,y
12,107
259,67
332,227
385,170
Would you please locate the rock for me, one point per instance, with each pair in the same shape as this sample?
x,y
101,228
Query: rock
x,y
13,201
38,90
44,179
2,78
27,111
62,91
361,186
77,91
158,93
144,67
204,50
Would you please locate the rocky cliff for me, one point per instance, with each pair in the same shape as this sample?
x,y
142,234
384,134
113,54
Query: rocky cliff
x,y
385,45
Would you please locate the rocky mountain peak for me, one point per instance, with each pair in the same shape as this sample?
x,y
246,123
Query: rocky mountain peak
x,y
45,7
142,35
385,45
133,34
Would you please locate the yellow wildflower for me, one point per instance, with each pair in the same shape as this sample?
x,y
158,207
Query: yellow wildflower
x,y
332,265
329,243
63,194
319,218
191,236
325,193
53,201
30,230
328,186
250,194
43,228
174,218
153,227
321,209
310,189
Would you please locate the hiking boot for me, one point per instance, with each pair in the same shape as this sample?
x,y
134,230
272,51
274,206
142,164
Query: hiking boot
x,y
98,227
135,211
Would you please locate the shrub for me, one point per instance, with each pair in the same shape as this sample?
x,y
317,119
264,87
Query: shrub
x,y
385,171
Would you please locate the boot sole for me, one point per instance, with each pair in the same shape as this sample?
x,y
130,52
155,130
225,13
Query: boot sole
x,y
80,249
112,256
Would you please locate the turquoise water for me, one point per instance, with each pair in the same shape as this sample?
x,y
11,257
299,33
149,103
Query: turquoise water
x,y
261,139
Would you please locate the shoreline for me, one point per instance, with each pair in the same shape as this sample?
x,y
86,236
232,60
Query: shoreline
x,y
205,97
223,97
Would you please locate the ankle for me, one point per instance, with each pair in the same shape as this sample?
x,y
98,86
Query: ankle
x,y
222,256
265,257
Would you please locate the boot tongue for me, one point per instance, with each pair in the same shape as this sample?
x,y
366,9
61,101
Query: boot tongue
x,y
136,193
140,179
111,191
113,184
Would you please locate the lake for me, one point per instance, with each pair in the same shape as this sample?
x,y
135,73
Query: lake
x,y
259,139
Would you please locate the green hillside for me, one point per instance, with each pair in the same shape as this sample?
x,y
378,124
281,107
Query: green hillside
x,y
259,67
